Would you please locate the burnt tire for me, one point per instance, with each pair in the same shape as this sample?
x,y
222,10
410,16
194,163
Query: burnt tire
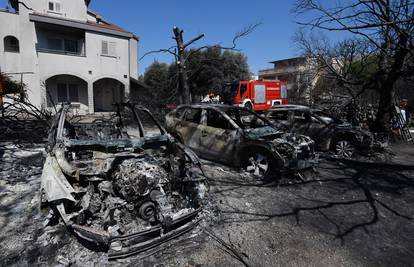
x,y
260,164
344,148
249,106
147,211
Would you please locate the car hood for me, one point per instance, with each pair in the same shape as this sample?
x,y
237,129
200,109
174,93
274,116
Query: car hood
x,y
267,133
354,129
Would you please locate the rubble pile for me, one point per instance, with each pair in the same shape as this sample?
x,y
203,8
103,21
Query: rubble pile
x,y
33,130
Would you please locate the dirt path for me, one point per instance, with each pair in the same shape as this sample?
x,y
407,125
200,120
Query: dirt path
x,y
343,216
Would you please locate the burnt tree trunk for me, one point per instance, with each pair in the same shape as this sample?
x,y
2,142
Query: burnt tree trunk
x,y
386,89
183,87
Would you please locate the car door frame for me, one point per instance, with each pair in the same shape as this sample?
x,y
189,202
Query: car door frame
x,y
219,144
191,136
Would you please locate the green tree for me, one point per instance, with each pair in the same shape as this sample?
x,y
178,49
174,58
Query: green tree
x,y
208,71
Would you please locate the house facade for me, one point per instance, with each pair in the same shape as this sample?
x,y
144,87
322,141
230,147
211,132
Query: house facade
x,y
64,52
300,73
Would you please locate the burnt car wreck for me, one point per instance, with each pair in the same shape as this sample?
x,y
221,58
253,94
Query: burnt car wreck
x,y
241,138
119,184
328,132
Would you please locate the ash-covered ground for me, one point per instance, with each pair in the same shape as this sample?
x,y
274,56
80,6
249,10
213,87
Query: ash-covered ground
x,y
347,214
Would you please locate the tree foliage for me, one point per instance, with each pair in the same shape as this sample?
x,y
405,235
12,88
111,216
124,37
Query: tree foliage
x,y
10,86
208,71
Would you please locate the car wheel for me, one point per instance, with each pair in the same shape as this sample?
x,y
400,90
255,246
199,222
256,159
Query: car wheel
x,y
249,106
259,164
147,211
344,148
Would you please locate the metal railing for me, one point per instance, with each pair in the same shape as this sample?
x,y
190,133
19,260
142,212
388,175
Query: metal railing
x,y
61,52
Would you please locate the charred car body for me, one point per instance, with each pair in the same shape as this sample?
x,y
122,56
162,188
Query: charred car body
x,y
329,133
119,184
239,137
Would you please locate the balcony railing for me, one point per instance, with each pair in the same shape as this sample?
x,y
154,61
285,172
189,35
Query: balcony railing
x,y
61,52
278,71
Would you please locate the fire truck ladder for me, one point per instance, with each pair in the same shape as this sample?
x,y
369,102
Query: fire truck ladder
x,y
405,129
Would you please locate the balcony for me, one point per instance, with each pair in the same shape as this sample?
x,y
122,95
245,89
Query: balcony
x,y
61,52
278,71
59,40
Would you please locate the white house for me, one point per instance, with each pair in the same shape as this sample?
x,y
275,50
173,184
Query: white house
x,y
64,52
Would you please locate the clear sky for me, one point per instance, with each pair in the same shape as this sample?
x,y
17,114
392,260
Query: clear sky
x,y
219,20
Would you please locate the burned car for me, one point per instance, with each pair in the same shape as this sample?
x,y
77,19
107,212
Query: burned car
x,y
121,181
329,133
239,137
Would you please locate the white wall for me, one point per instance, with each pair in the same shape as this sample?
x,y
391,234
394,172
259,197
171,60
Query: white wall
x,y
9,61
105,66
41,66
134,58
71,9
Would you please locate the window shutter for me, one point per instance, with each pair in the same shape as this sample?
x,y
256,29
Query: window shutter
x,y
57,7
112,49
81,47
104,48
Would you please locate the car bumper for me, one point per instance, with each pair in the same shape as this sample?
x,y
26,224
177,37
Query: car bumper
x,y
128,245
302,164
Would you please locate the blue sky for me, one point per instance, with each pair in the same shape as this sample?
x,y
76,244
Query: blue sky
x,y
153,21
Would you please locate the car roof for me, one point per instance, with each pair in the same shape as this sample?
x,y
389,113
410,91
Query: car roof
x,y
221,107
289,107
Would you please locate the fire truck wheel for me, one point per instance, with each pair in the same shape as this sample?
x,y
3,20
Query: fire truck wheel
x,y
249,106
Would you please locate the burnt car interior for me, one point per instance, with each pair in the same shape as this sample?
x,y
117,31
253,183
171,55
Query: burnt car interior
x,y
246,119
121,181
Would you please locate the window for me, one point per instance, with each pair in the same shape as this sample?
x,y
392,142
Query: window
x,y
192,115
301,116
67,92
217,120
11,44
71,46
283,91
279,115
73,93
55,6
54,44
246,119
243,89
62,93
108,49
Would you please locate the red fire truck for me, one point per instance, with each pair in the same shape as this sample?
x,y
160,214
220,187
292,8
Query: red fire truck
x,y
256,95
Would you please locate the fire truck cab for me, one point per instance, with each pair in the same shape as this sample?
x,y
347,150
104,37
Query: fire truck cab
x,y
256,95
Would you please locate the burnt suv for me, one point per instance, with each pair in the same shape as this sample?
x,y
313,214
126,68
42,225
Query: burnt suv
x,y
239,137
121,181
329,133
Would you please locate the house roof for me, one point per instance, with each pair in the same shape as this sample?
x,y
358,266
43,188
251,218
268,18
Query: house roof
x,y
290,60
100,22
15,3
90,26
107,25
